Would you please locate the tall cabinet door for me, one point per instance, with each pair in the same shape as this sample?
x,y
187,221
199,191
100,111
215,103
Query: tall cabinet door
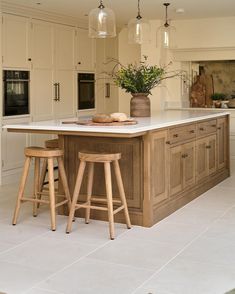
x,y
85,51
42,91
65,71
65,105
15,41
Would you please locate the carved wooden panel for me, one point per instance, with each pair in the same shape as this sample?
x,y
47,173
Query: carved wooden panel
x,y
159,170
176,170
130,165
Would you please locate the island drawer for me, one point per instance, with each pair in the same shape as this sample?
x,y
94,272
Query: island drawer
x,y
206,127
180,134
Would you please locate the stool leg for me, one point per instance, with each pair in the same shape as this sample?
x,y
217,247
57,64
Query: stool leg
x,y
108,184
89,190
122,192
21,189
52,192
42,178
64,181
75,195
36,184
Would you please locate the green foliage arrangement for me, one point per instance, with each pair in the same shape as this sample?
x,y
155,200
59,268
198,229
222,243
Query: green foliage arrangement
x,y
139,78
218,96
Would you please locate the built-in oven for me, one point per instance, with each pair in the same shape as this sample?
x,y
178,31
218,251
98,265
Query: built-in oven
x,y
86,91
15,92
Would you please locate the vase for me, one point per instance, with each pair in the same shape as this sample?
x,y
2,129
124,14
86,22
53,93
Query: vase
x,y
140,105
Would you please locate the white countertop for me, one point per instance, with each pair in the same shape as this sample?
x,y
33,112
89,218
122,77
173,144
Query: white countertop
x,y
160,120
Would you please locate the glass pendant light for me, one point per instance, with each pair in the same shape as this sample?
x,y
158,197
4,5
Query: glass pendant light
x,y
166,33
138,29
102,22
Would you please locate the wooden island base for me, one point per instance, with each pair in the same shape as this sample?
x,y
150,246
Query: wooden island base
x,y
162,169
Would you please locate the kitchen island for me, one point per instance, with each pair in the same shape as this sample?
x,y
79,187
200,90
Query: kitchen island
x,y
167,159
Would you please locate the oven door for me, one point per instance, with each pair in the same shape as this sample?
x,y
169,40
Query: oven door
x,y
86,94
16,97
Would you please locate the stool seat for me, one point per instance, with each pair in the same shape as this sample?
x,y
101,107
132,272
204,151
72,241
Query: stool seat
x,y
49,155
98,157
108,202
42,152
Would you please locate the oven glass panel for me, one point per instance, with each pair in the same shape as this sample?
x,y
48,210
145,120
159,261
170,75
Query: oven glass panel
x,y
16,93
86,91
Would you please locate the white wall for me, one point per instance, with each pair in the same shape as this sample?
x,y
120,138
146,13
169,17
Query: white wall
x,y
126,54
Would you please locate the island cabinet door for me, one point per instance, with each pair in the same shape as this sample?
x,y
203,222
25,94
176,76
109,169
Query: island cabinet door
x,y
201,159
176,170
159,160
211,154
222,144
189,160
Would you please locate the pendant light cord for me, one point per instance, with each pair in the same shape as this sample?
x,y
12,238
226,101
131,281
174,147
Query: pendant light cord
x,y
138,15
166,23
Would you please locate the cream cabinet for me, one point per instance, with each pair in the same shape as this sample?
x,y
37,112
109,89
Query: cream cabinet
x,y
53,71
85,57
15,42
13,145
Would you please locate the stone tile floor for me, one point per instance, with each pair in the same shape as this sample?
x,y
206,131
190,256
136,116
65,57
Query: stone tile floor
x,y
190,252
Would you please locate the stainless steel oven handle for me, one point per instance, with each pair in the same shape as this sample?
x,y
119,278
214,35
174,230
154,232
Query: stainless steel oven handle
x,y
56,92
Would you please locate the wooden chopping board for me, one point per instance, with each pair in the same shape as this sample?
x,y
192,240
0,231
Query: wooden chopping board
x,y
91,123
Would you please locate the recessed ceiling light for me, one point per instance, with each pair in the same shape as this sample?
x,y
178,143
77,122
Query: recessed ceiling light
x,y
179,10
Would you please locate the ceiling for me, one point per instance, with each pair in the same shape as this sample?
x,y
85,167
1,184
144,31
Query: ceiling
x,y
127,9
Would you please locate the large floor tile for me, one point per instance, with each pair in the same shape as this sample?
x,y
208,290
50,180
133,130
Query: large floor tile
x,y
96,232
46,253
90,276
41,291
211,250
138,253
17,279
182,277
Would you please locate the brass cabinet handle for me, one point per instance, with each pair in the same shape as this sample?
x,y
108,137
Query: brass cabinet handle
x,y
168,142
213,126
184,155
208,146
192,131
175,135
219,128
201,129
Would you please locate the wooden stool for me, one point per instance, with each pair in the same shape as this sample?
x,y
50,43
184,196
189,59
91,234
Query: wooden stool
x,y
106,159
49,154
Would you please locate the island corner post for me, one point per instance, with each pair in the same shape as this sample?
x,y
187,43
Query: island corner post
x,y
162,169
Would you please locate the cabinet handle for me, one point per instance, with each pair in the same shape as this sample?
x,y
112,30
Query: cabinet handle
x,y
58,84
168,142
175,135
192,131
219,128
208,146
213,126
29,59
56,92
79,62
201,129
186,155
